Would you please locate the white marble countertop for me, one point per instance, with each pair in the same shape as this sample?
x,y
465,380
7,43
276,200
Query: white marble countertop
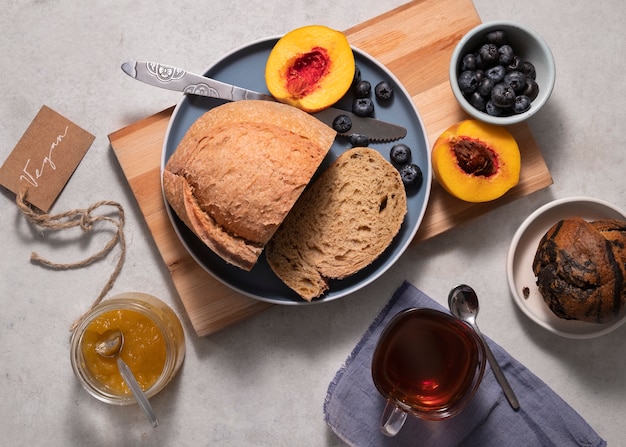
x,y
263,381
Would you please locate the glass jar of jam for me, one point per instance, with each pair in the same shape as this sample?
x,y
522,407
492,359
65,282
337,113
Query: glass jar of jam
x,y
153,348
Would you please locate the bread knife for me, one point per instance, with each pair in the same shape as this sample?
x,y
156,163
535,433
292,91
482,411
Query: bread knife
x,y
177,79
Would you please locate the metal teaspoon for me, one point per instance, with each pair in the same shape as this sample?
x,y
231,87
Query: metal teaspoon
x,y
110,346
463,303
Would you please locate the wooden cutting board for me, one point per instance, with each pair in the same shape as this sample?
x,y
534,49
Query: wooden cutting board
x,y
415,42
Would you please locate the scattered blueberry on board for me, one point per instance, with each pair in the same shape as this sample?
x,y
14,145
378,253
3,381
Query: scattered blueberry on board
x,y
411,175
362,89
400,154
342,124
495,80
363,107
359,140
383,91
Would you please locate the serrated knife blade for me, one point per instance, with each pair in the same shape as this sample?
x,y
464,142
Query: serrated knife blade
x,y
177,79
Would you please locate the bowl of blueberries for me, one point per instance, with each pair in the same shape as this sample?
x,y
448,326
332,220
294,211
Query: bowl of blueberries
x,y
502,72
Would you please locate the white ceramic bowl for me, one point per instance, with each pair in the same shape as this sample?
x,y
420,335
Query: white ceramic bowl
x,y
522,281
525,43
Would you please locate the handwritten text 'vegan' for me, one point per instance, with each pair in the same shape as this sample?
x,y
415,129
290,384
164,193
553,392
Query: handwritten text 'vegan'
x,y
47,160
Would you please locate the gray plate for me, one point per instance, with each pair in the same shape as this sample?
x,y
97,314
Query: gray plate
x,y
245,67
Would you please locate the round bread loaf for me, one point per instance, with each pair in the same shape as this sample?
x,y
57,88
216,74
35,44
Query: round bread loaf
x,y
581,269
342,222
239,169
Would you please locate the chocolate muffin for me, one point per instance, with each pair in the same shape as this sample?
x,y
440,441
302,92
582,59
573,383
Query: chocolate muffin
x,y
581,269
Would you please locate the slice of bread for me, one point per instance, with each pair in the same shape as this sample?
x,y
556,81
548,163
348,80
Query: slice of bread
x,y
238,171
342,222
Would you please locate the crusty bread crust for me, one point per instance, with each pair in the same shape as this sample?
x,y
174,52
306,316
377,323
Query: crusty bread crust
x,y
581,269
238,171
340,224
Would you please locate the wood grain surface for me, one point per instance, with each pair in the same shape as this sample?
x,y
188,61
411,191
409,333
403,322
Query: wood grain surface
x,y
415,42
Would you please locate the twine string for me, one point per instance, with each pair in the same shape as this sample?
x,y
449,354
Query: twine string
x,y
85,220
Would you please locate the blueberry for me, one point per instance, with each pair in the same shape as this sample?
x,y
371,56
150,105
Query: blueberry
x,y
477,101
506,54
359,140
363,107
411,175
516,80
468,82
502,95
342,124
362,89
496,74
383,91
515,64
528,69
468,62
496,37
531,89
488,54
521,104
400,154
494,110
485,87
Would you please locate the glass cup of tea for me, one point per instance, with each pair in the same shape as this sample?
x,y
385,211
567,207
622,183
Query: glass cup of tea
x,y
427,363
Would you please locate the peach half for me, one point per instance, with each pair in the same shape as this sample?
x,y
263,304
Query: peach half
x,y
310,67
476,161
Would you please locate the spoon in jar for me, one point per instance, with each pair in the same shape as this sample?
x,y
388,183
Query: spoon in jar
x,y
463,304
110,346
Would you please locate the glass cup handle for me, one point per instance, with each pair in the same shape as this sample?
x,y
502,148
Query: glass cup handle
x,y
392,420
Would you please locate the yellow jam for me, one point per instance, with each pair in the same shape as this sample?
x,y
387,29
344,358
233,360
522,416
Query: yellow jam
x,y
144,349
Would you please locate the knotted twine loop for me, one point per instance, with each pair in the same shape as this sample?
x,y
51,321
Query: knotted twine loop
x,y
84,219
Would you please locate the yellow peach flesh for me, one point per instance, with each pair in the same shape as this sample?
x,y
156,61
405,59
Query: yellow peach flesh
x,y
310,68
495,141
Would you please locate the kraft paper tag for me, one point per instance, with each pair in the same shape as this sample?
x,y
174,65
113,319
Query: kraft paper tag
x,y
45,158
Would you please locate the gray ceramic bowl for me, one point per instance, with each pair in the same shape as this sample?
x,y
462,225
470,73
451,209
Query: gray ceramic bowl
x,y
525,43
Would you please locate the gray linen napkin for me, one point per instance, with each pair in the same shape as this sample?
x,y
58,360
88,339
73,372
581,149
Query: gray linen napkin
x,y
353,406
